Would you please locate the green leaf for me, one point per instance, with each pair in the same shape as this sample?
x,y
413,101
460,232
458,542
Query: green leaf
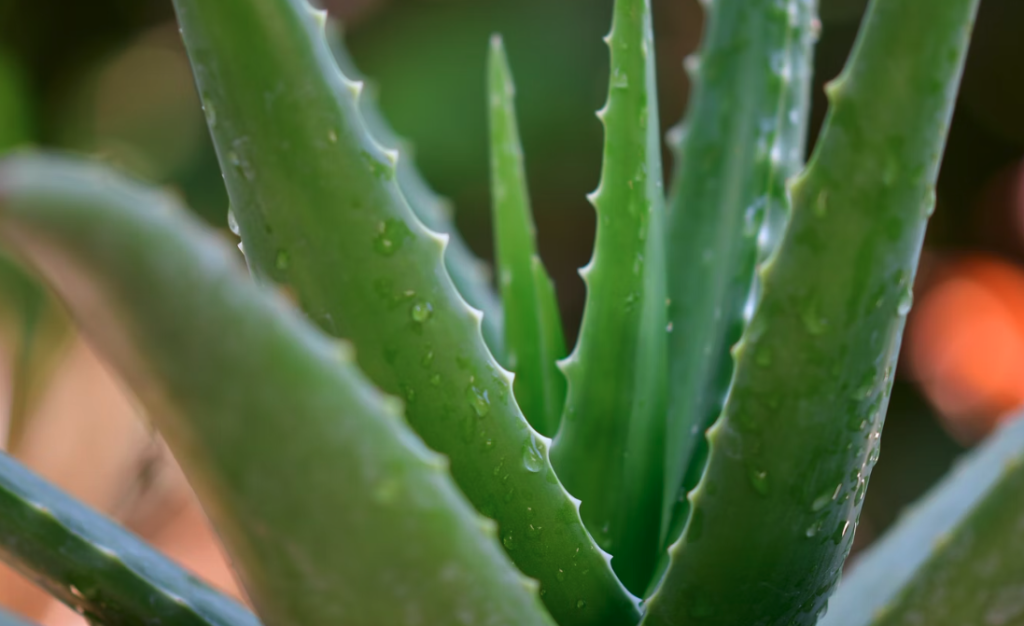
x,y
533,326
955,558
41,331
610,448
95,566
331,509
15,107
774,515
37,326
319,209
743,137
470,275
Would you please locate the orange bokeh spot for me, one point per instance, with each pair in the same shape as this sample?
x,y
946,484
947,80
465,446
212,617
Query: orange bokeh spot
x,y
965,344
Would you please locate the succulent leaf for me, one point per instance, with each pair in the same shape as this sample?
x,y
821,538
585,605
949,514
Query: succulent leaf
x,y
774,514
956,557
470,275
95,566
533,326
40,332
609,450
315,483
744,136
318,208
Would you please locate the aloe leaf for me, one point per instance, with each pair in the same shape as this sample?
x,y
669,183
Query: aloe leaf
x,y
470,275
39,326
95,566
15,108
319,209
610,448
743,137
774,515
10,619
331,509
41,331
957,557
533,327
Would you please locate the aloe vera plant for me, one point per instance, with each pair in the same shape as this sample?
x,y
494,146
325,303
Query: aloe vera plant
x,y
702,455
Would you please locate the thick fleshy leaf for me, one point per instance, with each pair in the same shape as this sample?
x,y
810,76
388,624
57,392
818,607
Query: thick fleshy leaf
x,y
957,557
470,275
331,509
774,515
97,567
610,448
743,137
318,208
533,327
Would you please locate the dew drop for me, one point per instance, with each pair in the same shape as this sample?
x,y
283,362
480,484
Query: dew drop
x,y
631,301
560,576
508,542
821,203
332,136
478,399
840,532
428,359
391,236
435,380
282,260
825,498
211,113
581,604
930,200
378,169
532,459
906,302
758,480
534,531
856,423
421,311
813,321
233,224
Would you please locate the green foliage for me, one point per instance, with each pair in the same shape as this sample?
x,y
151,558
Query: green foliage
x,y
352,486
533,327
744,136
955,557
717,421
609,449
96,567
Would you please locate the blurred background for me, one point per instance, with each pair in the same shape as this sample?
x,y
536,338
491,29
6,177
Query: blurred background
x,y
110,78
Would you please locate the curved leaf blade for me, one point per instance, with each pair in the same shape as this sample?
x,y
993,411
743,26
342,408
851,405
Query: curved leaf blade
x,y
743,138
774,515
97,567
314,482
610,448
533,327
956,557
470,275
319,209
